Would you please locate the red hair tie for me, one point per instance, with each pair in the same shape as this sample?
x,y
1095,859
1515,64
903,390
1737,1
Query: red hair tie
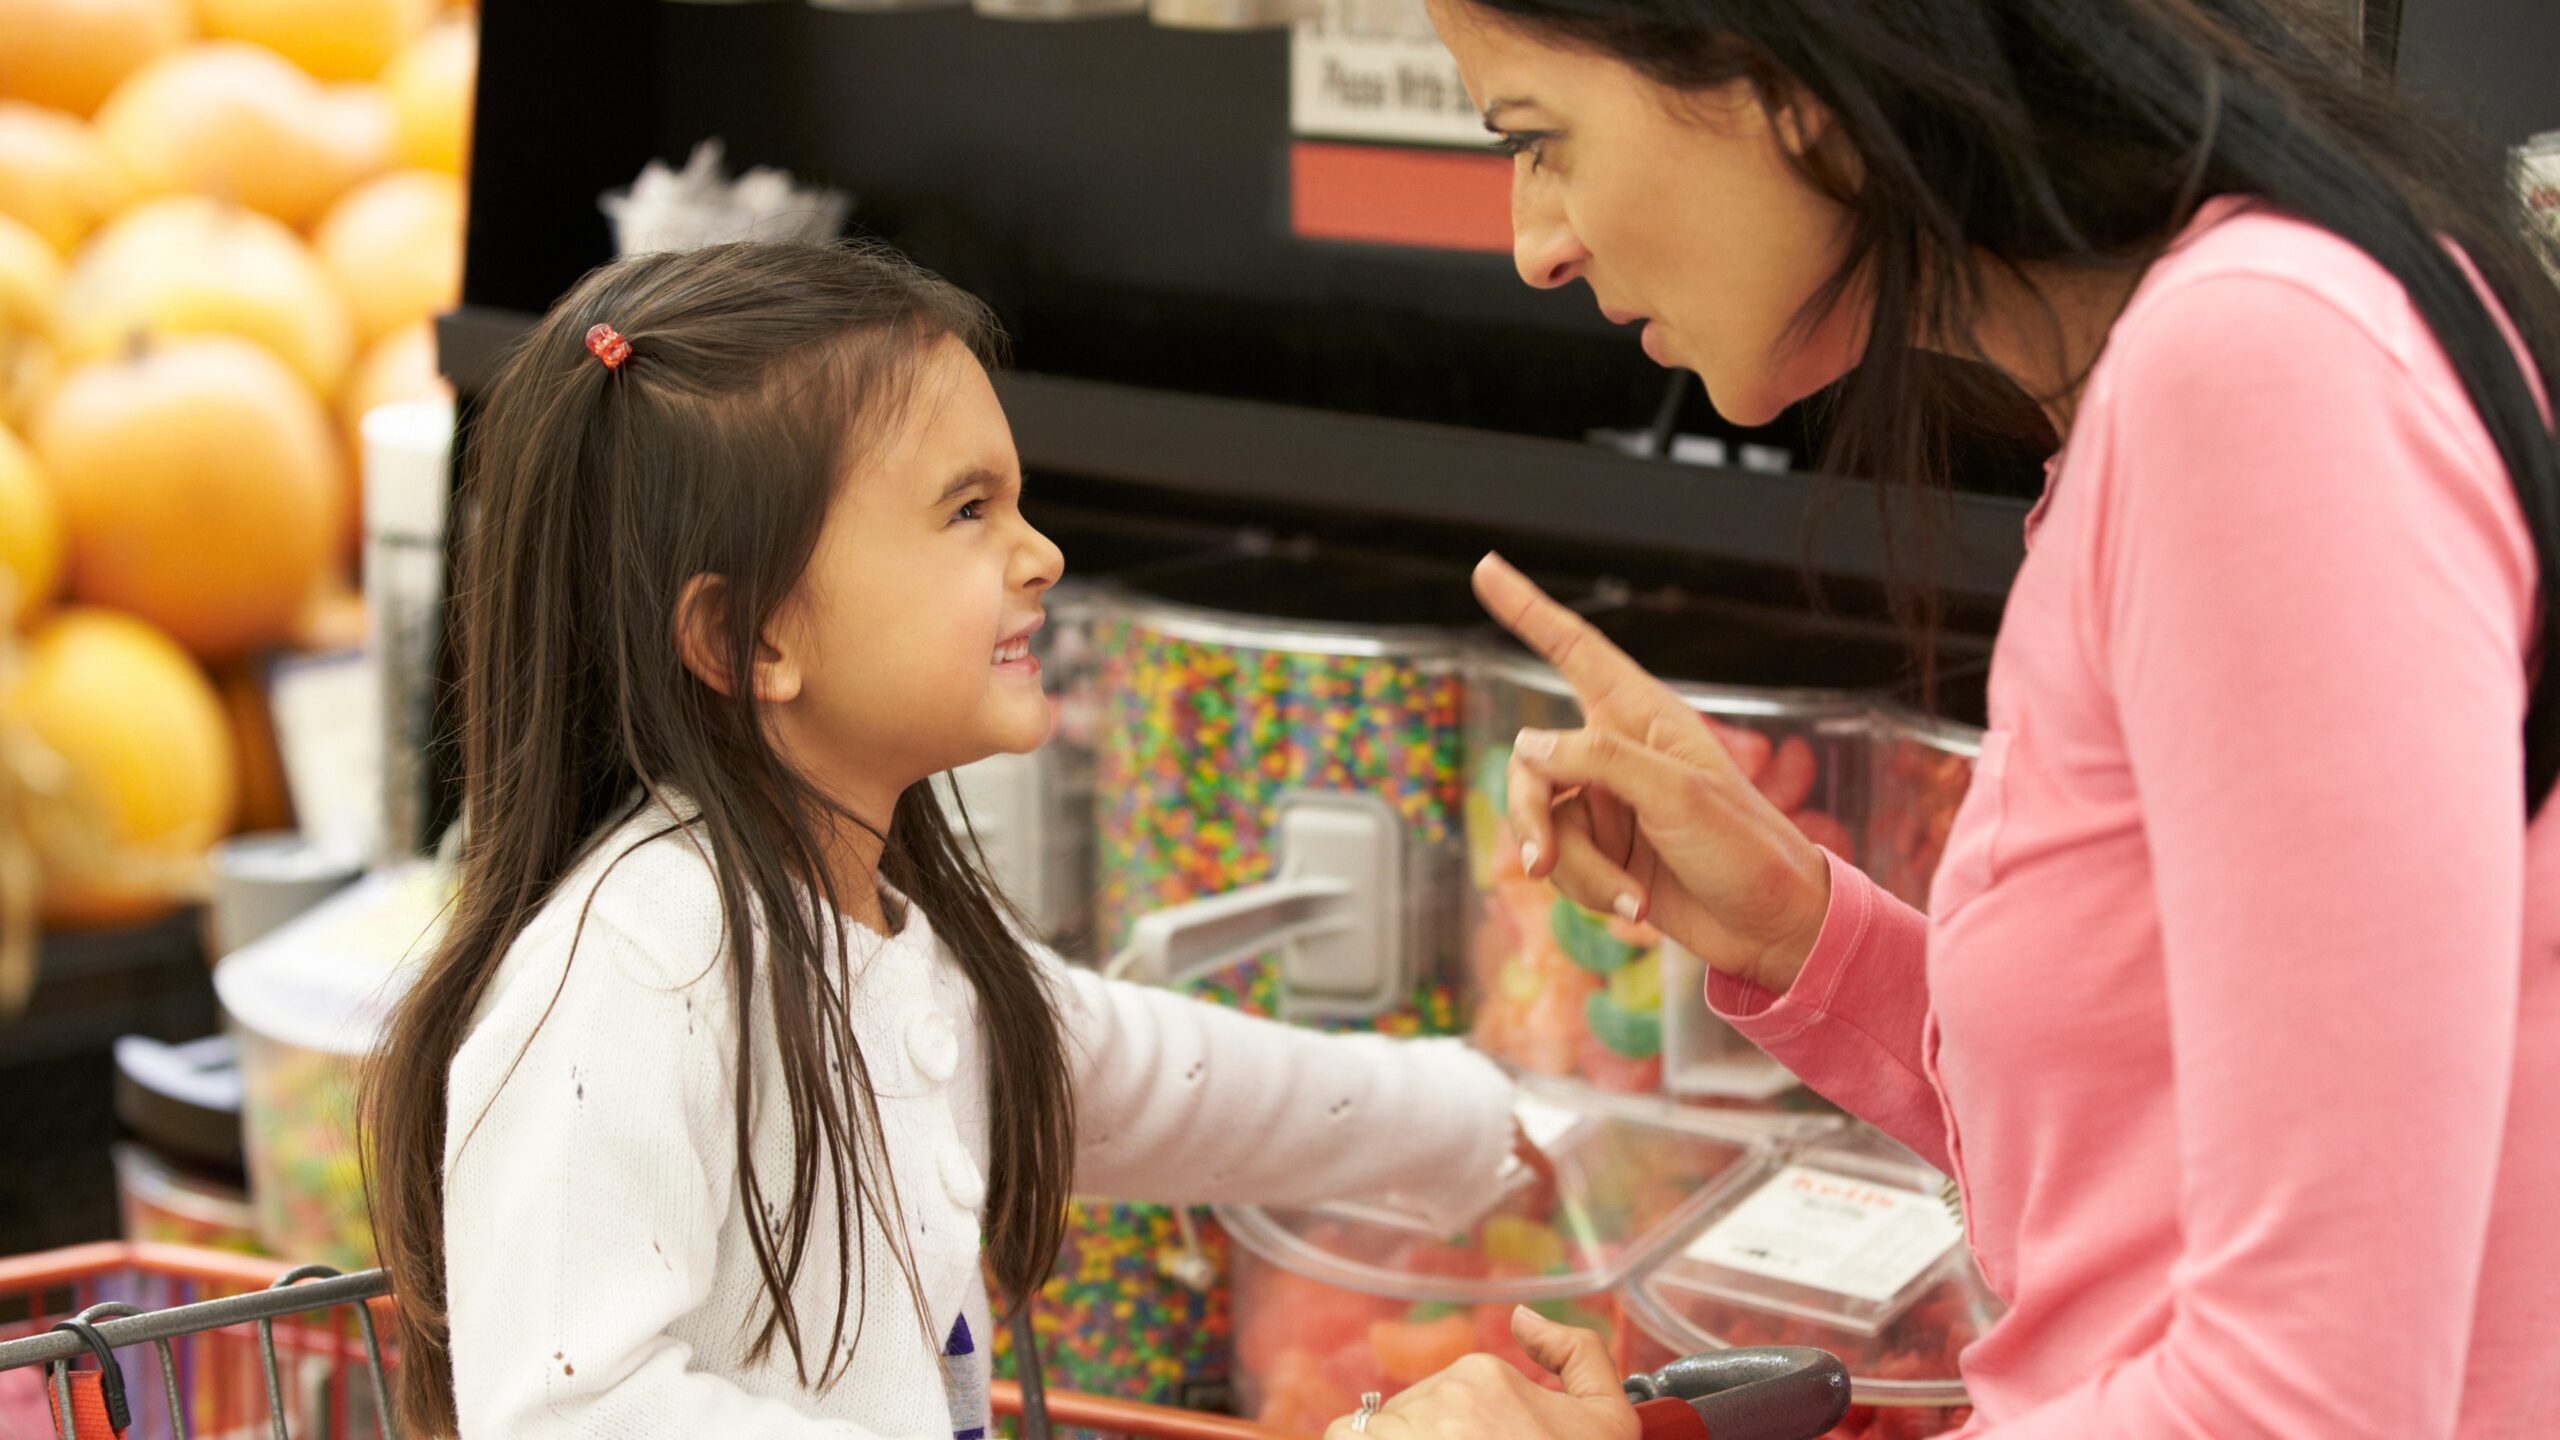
x,y
607,345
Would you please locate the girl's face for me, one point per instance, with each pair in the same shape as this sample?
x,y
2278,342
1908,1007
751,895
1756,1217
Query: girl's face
x,y
907,641
1685,212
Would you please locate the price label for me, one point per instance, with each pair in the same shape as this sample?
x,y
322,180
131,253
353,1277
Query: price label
x,y
1832,1232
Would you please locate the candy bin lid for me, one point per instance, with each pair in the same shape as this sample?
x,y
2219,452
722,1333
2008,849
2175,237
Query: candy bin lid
x,y
1847,1242
1627,1188
1714,649
327,980
1327,600
1738,658
182,1100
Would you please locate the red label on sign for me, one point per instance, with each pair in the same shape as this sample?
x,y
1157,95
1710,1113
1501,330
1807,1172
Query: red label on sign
x,y
1379,195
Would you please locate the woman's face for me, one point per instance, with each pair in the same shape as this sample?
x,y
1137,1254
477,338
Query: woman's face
x,y
1685,211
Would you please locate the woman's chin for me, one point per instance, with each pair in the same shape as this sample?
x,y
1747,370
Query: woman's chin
x,y
1746,405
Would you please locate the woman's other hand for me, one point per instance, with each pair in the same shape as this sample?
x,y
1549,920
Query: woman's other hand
x,y
1482,1398
1641,812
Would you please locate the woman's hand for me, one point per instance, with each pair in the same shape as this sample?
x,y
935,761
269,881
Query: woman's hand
x,y
1482,1398
1642,812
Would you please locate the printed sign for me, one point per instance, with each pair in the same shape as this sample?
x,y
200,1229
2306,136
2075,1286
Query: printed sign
x,y
1832,1232
1373,70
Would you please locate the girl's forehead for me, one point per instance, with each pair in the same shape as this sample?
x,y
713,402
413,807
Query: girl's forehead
x,y
948,423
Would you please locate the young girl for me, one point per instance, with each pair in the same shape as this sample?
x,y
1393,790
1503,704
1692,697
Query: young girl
x,y
730,1071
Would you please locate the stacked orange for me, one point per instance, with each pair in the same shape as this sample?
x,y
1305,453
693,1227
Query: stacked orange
x,y
225,227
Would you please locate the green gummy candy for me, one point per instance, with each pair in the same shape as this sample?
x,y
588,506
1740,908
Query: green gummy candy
x,y
1632,1033
1585,938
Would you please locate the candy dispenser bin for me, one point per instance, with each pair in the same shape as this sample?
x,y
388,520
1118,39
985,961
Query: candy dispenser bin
x,y
1557,989
1246,698
167,1204
1337,1300
306,1003
1922,768
1319,675
1848,1243
180,1175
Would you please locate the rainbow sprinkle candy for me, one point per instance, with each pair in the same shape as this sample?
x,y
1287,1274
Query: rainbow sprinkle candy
x,y
1198,743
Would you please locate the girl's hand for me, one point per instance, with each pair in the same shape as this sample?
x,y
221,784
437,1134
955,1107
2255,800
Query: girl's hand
x,y
1541,1196
1642,813
1482,1398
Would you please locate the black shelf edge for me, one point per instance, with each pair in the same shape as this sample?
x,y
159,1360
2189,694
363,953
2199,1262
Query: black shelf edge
x,y
1442,474
1411,470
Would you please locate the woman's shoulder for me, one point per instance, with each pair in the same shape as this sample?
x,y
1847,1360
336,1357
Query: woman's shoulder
x,y
2258,280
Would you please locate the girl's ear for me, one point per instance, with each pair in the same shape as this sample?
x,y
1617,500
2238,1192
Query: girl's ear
x,y
701,628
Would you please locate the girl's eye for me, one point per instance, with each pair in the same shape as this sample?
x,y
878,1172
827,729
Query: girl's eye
x,y
1532,143
974,510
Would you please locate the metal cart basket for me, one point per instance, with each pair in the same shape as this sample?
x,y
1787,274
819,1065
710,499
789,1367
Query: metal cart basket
x,y
248,1349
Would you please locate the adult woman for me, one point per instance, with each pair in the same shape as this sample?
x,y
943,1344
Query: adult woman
x,y
2237,1014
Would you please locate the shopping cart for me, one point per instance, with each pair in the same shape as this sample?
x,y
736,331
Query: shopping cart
x,y
249,1349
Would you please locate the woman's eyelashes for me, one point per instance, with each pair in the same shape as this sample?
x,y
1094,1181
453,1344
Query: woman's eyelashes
x,y
1532,143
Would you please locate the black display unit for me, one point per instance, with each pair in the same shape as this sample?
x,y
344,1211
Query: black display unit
x,y
1119,192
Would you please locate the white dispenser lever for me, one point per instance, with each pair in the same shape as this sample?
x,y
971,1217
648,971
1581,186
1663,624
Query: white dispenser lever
x,y
1336,910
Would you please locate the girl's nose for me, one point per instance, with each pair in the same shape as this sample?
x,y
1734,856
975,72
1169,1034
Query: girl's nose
x,y
1042,561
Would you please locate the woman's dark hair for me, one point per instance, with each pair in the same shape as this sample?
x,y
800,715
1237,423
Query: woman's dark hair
x,y
2087,132
756,377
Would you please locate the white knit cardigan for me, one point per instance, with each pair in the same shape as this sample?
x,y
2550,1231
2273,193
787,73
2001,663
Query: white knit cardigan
x,y
599,1273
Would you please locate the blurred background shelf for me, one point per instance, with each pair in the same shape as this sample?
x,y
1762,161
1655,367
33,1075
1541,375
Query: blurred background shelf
x,y
1440,486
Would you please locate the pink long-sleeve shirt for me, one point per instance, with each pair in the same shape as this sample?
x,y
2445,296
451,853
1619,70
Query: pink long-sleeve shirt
x,y
2236,1013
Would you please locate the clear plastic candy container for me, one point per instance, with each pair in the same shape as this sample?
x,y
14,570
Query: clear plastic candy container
x,y
1337,1300
1228,688
1922,769
1557,989
306,1003
179,1170
1850,1244
166,1204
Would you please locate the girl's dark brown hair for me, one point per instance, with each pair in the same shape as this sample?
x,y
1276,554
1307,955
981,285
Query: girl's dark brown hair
x,y
756,376
2086,132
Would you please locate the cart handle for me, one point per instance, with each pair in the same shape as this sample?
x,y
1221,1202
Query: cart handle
x,y
1768,1393
110,1376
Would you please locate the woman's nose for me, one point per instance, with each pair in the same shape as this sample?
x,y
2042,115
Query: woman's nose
x,y
1545,248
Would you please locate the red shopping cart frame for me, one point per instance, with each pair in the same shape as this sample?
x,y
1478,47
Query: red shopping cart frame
x,y
35,1289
